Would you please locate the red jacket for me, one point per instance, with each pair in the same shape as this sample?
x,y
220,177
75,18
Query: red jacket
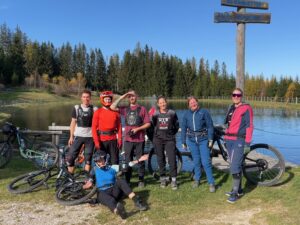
x,y
106,120
241,124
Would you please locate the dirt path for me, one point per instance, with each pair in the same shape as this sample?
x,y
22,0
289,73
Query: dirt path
x,y
46,214
54,214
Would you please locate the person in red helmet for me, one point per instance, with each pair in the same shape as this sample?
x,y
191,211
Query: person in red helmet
x,y
106,128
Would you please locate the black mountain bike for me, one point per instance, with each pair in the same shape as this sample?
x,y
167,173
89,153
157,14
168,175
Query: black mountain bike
x,y
263,165
69,187
44,155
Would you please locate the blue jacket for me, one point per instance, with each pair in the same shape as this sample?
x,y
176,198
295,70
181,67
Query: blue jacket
x,y
105,177
196,122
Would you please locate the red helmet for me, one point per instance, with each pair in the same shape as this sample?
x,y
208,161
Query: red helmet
x,y
105,94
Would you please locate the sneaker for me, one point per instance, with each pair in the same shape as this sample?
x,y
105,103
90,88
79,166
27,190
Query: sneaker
x,y
233,198
163,183
138,203
141,184
120,210
212,188
239,194
196,184
174,185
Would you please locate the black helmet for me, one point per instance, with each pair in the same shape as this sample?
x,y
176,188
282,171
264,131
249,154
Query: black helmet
x,y
7,129
98,155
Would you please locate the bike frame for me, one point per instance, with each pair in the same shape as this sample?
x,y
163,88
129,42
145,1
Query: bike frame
x,y
27,152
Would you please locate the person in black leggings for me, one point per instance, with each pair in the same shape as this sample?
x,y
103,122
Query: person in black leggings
x,y
166,125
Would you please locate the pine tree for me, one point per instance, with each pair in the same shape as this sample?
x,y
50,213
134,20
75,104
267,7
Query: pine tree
x,y
32,59
101,74
113,73
16,56
79,59
91,70
65,61
46,59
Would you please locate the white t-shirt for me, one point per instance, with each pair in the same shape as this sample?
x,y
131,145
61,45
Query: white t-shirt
x,y
82,131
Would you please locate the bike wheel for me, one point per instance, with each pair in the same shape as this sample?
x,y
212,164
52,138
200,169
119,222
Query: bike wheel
x,y
47,156
153,165
28,182
5,153
72,193
263,165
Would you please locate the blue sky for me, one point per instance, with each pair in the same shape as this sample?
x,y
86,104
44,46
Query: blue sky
x,y
184,28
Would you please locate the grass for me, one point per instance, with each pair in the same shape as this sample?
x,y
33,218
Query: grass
x,y
260,205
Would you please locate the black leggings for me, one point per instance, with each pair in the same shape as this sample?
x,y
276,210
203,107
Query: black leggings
x,y
75,149
111,196
170,147
137,149
111,148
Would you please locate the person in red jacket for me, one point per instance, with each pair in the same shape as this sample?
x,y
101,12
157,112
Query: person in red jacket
x,y
107,129
238,137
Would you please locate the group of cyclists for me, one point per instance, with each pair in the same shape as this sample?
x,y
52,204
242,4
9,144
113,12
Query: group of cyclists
x,y
101,129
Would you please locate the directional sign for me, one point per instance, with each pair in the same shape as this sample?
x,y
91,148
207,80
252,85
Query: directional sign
x,y
237,17
246,4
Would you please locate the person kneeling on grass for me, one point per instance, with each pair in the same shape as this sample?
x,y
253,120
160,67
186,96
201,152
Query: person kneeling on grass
x,y
110,186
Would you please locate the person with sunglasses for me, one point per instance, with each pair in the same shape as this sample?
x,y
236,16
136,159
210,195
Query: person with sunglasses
x,y
238,136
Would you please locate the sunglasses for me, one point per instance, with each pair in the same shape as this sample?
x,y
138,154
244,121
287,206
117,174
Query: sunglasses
x,y
237,95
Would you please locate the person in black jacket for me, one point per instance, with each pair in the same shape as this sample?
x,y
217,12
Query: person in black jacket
x,y
166,125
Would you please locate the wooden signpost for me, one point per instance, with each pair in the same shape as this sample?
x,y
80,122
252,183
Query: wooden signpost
x,y
241,18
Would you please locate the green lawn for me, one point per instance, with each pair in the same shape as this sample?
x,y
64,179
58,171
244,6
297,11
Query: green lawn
x,y
260,205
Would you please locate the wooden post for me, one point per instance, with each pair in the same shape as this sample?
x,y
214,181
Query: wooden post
x,y
241,18
240,53
55,137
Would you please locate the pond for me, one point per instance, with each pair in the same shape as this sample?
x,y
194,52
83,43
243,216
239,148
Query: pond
x,y
277,127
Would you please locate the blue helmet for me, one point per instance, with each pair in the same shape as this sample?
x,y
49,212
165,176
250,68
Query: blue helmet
x,y
98,155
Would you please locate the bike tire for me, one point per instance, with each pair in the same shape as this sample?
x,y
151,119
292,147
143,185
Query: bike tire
x,y
72,193
49,156
5,153
153,166
263,165
28,182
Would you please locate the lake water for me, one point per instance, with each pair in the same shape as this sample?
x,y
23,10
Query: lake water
x,y
277,127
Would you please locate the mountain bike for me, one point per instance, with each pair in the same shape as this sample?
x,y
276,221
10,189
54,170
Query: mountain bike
x,y
68,186
72,192
44,155
263,165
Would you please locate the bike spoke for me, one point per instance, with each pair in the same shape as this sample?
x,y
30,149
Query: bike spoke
x,y
263,165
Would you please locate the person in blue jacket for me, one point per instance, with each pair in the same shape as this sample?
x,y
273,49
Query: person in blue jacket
x,y
110,187
197,133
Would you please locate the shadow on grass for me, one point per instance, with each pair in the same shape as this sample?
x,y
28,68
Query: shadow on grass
x,y
144,195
